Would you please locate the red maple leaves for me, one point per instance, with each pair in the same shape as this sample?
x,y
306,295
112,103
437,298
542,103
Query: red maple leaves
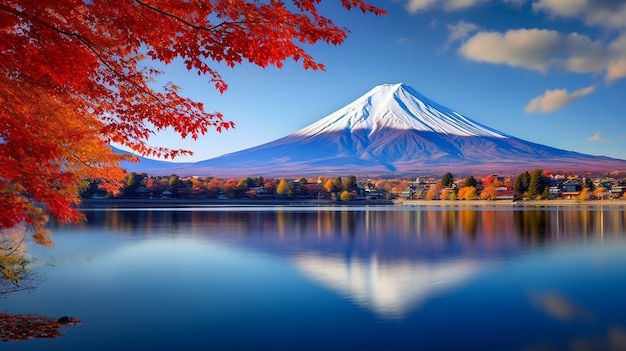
x,y
77,75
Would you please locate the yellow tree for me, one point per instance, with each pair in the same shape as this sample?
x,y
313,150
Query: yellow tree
x,y
599,193
489,193
584,195
346,195
329,186
284,188
467,193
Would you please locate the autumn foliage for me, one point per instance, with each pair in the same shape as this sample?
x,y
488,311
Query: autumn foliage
x,y
78,75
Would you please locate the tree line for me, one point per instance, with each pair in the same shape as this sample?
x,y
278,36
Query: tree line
x,y
141,185
533,185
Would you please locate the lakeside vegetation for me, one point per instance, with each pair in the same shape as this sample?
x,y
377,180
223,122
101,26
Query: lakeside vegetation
x,y
526,186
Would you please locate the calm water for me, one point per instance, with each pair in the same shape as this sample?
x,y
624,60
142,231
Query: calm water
x,y
370,278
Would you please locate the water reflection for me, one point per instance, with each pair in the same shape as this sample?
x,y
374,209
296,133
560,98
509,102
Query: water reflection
x,y
385,259
423,231
330,278
388,260
559,306
391,289
562,309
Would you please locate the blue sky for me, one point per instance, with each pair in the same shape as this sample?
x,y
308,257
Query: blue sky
x,y
547,71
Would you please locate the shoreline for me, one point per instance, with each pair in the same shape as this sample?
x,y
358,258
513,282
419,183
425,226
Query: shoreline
x,y
100,203
511,203
132,203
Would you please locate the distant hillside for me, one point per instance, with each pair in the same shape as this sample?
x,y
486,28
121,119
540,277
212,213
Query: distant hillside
x,y
156,167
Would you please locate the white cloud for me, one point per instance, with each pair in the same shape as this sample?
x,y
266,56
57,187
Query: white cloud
x,y
597,138
553,100
541,49
415,6
604,13
528,48
458,32
515,3
616,67
454,5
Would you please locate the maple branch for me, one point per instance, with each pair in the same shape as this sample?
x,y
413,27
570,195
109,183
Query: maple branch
x,y
91,46
184,21
11,10
11,250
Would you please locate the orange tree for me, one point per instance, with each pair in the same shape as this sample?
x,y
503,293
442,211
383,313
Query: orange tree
x,y
77,75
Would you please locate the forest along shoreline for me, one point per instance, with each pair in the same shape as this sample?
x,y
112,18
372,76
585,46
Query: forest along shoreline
x,y
133,203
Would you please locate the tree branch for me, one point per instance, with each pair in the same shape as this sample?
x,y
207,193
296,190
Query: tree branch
x,y
182,20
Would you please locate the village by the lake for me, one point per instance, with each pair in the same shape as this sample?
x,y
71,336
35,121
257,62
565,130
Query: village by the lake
x,y
525,187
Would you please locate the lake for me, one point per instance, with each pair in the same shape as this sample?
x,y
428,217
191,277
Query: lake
x,y
333,278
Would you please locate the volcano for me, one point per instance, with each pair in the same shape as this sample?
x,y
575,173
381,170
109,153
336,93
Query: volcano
x,y
394,130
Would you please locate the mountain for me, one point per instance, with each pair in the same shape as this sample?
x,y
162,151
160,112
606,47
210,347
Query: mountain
x,y
393,129
152,166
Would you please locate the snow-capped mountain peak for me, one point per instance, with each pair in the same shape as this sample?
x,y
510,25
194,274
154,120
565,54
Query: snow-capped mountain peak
x,y
397,106
392,130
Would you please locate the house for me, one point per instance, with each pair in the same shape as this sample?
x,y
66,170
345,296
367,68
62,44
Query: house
x,y
504,193
571,189
141,192
617,191
555,191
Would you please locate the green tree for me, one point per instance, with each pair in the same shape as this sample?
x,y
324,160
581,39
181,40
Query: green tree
x,y
520,187
470,181
338,184
537,185
447,180
259,181
587,183
90,188
133,181
245,183
284,188
301,188
174,184
350,183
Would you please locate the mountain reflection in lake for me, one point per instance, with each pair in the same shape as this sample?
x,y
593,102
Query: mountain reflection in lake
x,y
367,278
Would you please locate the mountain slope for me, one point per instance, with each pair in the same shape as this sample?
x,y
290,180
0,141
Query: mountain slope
x,y
153,166
394,129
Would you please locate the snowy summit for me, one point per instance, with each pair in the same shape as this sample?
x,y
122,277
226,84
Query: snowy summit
x,y
398,106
